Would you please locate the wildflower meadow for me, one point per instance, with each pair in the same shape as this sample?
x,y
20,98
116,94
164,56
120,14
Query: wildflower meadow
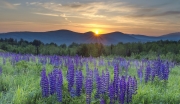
x,y
52,79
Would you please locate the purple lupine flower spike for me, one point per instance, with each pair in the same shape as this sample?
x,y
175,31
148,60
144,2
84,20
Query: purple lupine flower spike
x,y
102,101
52,83
140,73
89,86
111,93
79,82
59,84
116,76
60,75
44,84
134,84
103,86
153,74
72,92
147,73
129,89
166,72
122,87
70,76
98,86
107,79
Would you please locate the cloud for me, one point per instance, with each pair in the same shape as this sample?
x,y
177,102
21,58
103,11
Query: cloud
x,y
65,17
168,13
17,4
33,3
7,5
85,10
121,12
46,14
54,15
156,14
112,14
75,5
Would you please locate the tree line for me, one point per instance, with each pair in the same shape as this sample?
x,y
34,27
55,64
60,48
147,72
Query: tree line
x,y
136,50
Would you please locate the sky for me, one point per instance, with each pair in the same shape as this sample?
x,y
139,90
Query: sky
x,y
146,17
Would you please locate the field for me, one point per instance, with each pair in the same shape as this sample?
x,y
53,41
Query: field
x,y
29,79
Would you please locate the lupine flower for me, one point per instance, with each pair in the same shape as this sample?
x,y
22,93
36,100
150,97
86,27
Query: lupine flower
x,y
96,73
122,86
98,86
116,76
109,64
107,79
87,67
52,83
158,67
73,92
56,63
134,84
166,72
59,74
111,93
129,89
147,73
103,84
59,88
55,72
140,73
102,101
44,84
79,82
119,89
153,74
70,77
162,70
89,86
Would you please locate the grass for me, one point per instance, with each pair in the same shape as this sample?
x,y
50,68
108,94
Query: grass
x,y
20,84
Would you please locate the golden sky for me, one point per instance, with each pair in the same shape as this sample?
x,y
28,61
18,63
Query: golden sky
x,y
152,17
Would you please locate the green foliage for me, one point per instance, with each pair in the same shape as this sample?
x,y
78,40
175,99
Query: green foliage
x,y
170,49
21,84
3,83
159,92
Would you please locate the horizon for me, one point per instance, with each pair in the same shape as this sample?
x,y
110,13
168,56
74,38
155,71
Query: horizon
x,y
150,18
90,31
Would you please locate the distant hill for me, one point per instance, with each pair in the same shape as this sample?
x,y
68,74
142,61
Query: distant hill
x,y
67,37
172,36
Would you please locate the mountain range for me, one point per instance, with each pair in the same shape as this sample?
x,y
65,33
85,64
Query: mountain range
x,y
67,37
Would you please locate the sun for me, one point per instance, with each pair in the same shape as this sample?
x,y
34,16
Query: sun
x,y
97,32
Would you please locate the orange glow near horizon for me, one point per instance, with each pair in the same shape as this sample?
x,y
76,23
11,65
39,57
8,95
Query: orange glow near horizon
x,y
97,32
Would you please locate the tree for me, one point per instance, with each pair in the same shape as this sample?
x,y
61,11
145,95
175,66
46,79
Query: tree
x,y
37,43
112,46
63,46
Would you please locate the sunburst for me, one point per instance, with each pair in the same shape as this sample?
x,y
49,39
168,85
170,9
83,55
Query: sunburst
x,y
97,32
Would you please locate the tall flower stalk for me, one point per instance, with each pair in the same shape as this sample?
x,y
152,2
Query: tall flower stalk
x,y
79,82
59,86
89,86
44,84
